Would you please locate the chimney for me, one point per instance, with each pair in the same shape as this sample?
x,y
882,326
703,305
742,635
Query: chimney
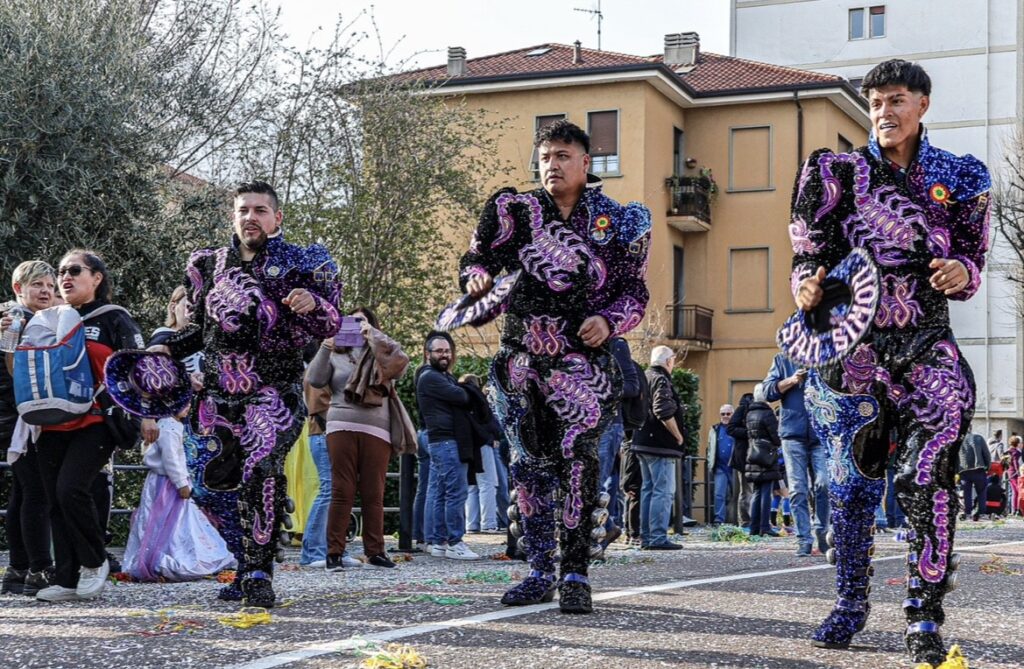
x,y
456,61
577,52
681,50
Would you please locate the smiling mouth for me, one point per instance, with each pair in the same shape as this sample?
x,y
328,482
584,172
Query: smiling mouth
x,y
887,126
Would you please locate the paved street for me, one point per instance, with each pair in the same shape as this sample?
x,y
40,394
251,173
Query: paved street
x,y
711,605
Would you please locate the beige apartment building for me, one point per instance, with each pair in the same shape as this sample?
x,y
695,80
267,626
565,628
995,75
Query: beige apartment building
x,y
719,261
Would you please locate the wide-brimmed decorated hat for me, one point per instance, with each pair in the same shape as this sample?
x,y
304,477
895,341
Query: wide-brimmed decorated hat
x,y
828,333
148,384
478,311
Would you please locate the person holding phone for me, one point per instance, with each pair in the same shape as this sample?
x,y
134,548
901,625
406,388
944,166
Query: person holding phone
x,y
358,429
805,456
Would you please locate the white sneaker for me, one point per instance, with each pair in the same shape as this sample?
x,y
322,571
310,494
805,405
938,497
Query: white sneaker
x,y
461,551
316,564
438,550
57,593
350,562
92,581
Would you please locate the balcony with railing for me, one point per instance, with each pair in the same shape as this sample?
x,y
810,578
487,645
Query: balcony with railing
x,y
692,323
690,207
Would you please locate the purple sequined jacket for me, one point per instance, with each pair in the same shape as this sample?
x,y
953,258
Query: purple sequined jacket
x,y
251,339
595,263
939,210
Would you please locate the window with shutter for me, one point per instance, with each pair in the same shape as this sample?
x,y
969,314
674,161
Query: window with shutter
x,y
603,128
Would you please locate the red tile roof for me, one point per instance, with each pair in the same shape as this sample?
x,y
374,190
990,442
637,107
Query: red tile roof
x,y
713,74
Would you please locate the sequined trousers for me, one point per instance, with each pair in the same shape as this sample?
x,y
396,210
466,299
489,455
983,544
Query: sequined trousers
x,y
553,410
236,458
915,387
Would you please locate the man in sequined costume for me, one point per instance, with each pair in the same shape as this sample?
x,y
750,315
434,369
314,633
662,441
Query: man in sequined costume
x,y
921,215
256,304
583,258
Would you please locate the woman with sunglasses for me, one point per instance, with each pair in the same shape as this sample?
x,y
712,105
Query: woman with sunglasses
x,y
72,454
358,431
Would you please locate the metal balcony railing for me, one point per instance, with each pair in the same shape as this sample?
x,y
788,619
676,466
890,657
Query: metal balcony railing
x,y
690,322
691,198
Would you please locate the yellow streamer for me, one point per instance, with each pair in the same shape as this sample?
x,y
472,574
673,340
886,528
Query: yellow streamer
x,y
248,617
394,656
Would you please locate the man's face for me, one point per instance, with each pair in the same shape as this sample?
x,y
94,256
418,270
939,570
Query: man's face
x,y
255,219
563,167
439,354
38,294
896,114
725,414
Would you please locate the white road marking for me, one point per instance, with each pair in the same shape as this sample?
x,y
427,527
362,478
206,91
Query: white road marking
x,y
357,642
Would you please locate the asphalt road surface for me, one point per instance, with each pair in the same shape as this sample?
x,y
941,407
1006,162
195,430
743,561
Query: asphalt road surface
x,y
713,604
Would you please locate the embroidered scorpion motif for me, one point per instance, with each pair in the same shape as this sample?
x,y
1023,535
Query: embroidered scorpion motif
x,y
575,395
232,297
555,253
942,394
884,221
263,525
265,416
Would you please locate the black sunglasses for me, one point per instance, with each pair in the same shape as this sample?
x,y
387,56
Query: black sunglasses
x,y
73,270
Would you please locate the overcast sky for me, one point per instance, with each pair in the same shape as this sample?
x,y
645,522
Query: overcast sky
x,y
429,27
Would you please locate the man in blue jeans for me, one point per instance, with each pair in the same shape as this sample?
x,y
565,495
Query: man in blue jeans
x,y
440,398
802,452
658,445
612,438
719,452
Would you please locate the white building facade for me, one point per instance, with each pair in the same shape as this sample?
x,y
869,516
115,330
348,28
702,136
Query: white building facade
x,y
972,50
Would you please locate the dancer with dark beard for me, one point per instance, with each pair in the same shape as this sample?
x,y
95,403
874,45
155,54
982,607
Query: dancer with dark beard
x,y
256,304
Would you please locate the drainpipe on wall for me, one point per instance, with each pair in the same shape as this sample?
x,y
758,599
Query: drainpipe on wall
x,y
799,129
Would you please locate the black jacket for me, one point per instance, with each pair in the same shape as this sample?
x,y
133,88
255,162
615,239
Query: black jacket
x,y
737,429
654,438
763,444
438,397
474,428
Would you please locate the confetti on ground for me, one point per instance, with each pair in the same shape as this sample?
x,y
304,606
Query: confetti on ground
x,y
248,617
996,566
501,557
393,656
731,534
121,577
621,560
416,599
169,623
226,576
288,566
902,580
483,577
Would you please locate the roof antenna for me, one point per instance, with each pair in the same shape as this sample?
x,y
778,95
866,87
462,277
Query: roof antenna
x,y
600,17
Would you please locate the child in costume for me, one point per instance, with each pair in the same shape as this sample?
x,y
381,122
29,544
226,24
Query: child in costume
x,y
171,539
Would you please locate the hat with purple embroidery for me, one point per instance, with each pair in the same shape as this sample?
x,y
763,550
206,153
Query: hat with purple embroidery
x,y
481,310
829,332
148,384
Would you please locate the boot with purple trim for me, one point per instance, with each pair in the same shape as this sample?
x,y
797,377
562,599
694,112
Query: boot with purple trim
x,y
537,588
574,594
257,590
